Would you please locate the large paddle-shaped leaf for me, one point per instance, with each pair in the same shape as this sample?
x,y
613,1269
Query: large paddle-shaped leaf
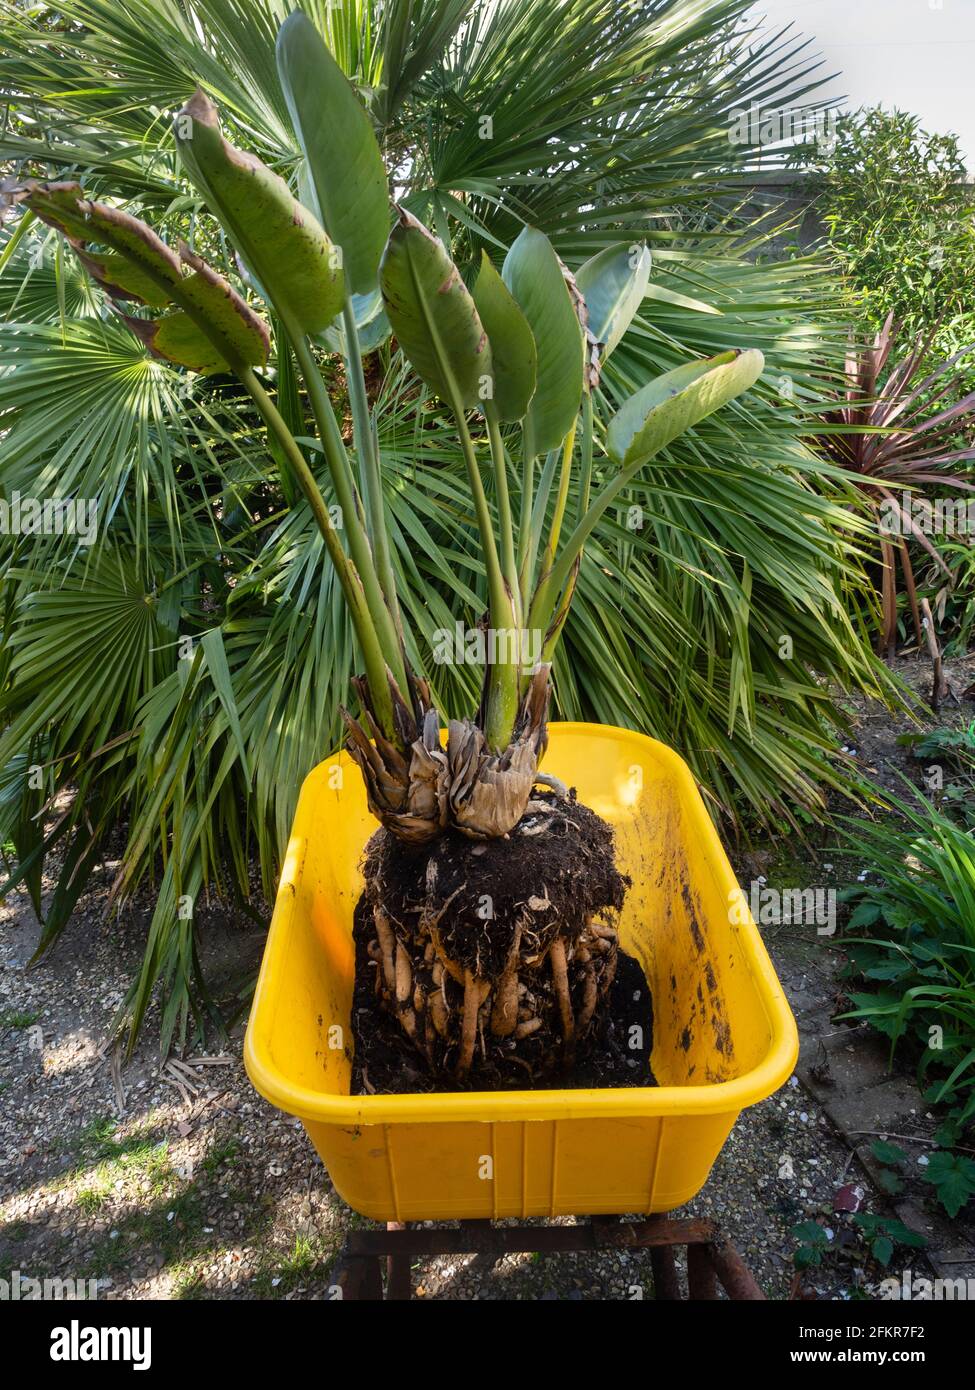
x,y
434,316
676,401
212,330
648,422
282,243
613,283
336,135
534,275
513,354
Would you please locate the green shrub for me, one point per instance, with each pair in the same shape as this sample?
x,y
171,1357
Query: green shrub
x,y
899,219
911,938
952,595
948,756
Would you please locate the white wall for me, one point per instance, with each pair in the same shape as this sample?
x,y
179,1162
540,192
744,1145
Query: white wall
x,y
918,55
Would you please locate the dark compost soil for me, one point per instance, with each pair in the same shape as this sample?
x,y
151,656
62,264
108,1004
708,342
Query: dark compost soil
x,y
550,875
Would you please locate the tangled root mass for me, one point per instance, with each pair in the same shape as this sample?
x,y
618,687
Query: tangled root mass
x,y
495,960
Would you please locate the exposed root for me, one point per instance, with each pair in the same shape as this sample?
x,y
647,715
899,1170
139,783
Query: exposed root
x,y
452,1015
560,976
475,993
525,1030
545,779
404,974
387,946
590,994
504,1015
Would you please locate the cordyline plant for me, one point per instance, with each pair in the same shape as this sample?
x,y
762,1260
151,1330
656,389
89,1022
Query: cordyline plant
x,y
898,434
515,358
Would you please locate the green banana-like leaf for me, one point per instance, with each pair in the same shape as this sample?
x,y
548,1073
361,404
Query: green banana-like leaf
x,y
513,352
140,266
123,279
613,283
336,135
674,402
282,243
534,275
433,314
513,355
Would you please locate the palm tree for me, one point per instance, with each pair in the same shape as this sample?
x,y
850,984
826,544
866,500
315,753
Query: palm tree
x,y
175,675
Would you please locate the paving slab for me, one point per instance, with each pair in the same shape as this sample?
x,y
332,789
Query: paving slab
x,y
882,1107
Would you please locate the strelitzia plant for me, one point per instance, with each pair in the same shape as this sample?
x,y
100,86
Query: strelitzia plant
x,y
514,359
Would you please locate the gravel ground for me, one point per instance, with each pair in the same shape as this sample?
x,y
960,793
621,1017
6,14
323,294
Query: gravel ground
x,y
178,1181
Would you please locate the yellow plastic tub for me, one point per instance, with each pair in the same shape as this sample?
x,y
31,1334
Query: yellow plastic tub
x,y
724,1036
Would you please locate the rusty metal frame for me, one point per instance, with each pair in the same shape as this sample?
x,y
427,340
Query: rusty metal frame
x,y
711,1259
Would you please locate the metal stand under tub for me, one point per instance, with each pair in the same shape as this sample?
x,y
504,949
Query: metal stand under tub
x,y
711,1259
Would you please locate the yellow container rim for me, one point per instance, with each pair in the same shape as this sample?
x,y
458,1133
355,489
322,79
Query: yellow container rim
x,y
495,1107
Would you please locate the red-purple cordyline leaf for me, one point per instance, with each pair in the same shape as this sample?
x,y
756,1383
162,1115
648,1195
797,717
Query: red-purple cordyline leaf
x,y
953,412
914,477
955,457
914,528
944,369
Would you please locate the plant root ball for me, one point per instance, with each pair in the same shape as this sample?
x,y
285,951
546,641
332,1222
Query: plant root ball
x,y
506,948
